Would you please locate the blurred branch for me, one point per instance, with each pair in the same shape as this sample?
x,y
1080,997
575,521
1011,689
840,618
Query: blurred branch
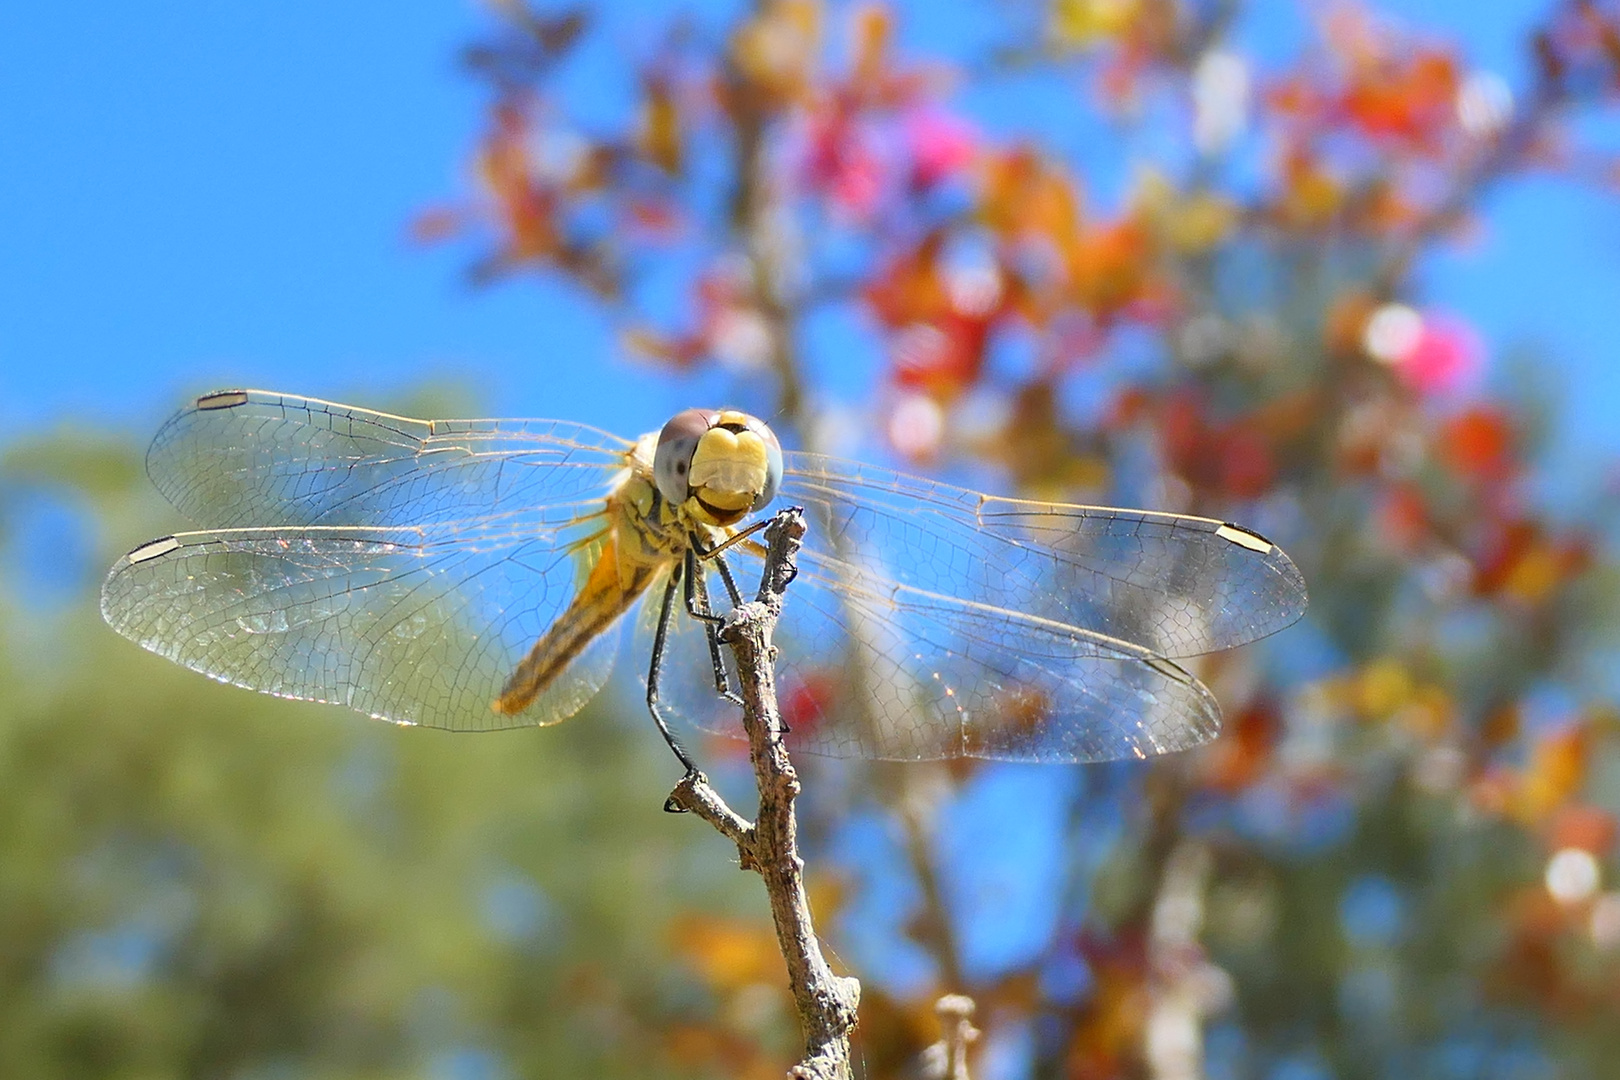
x,y
1185,985
932,929
1568,68
1511,148
752,219
826,1002
947,1059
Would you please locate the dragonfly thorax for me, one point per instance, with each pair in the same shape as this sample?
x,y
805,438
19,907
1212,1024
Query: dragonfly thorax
x,y
717,466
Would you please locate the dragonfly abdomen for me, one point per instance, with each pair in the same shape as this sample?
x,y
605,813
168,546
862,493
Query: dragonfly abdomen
x,y
613,586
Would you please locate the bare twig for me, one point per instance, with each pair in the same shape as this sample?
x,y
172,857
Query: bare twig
x,y
826,1002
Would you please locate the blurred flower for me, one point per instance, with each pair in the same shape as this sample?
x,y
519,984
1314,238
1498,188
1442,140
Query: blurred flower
x,y
1083,22
1430,713
1247,468
842,162
976,288
776,50
730,327
1557,768
1220,100
1311,192
1572,875
1479,444
1191,222
729,953
660,138
1484,104
1521,561
1234,457
1242,754
1390,88
917,426
1392,332
1433,354
872,28
1584,827
807,699
859,158
938,145
1604,921
741,339
1403,518
1384,686
1410,100
1446,355
940,312
921,350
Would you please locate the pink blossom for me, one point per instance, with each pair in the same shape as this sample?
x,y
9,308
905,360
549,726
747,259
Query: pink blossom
x,y
917,426
1433,354
1446,355
841,163
939,145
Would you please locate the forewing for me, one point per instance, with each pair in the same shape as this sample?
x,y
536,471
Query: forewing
x,y
250,458
417,626
1169,584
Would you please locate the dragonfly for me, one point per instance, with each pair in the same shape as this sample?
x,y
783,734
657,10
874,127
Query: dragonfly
x,y
478,575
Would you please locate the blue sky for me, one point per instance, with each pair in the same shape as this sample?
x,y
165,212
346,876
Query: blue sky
x,y
199,194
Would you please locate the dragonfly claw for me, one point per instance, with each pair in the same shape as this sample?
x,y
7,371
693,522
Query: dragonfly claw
x,y
693,777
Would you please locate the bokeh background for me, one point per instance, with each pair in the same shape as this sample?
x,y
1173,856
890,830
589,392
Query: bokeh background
x,y
1342,273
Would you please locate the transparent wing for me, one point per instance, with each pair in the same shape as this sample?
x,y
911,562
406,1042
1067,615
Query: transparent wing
x,y
418,626
929,621
866,679
400,567
1169,584
245,458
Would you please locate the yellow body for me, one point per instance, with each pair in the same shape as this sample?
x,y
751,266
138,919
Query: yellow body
x,y
645,538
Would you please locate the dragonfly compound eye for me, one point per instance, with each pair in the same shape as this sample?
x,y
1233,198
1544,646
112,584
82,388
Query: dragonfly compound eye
x,y
672,459
736,468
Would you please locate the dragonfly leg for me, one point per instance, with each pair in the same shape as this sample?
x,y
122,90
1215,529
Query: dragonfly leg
x,y
695,552
696,585
731,582
734,538
697,590
655,669
697,605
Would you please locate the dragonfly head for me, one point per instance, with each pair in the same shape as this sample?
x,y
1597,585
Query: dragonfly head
x,y
718,465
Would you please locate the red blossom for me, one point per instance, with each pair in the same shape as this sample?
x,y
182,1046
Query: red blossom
x,y
1589,828
841,161
1478,443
